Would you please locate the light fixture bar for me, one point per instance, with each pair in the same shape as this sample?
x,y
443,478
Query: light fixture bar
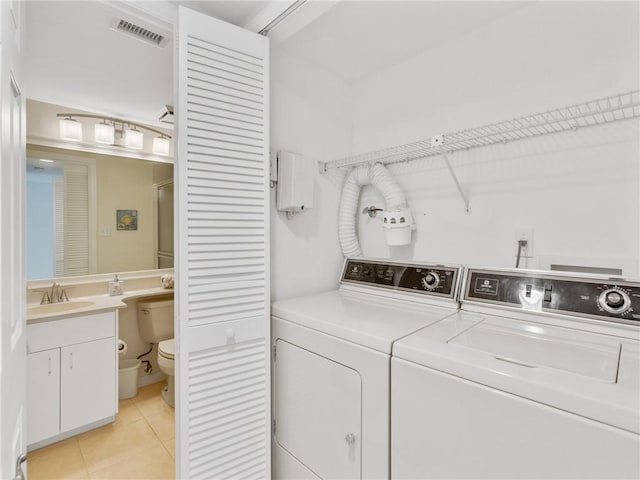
x,y
113,121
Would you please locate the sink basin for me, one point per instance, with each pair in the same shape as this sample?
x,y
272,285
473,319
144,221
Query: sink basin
x,y
58,307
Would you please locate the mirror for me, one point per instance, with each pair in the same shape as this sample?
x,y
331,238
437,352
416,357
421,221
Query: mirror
x,y
91,213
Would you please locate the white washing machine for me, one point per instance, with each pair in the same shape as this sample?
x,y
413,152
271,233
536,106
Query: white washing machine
x,y
537,376
331,364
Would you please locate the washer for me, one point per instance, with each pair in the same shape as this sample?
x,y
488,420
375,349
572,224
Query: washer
x,y
331,364
537,376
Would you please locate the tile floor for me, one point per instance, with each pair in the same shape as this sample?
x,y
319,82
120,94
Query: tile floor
x,y
138,445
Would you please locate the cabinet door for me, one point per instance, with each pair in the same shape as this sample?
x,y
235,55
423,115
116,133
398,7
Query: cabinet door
x,y
43,395
318,415
88,383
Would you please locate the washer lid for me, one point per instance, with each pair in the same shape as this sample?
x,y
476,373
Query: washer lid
x,y
167,348
360,318
536,346
592,374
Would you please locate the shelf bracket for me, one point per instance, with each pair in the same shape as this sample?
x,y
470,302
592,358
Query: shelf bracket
x,y
455,180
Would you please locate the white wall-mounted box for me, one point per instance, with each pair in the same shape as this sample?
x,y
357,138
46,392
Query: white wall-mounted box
x,y
295,182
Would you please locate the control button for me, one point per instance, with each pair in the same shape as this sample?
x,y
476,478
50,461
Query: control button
x,y
614,301
547,293
528,291
431,280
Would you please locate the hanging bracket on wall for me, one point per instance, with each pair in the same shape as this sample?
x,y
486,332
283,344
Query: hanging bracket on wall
x,y
458,186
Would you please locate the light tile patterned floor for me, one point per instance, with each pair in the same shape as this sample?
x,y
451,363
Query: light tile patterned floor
x,y
138,445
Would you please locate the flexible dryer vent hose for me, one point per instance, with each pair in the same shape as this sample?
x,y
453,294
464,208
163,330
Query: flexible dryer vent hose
x,y
379,177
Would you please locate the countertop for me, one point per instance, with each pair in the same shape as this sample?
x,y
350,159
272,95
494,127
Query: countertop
x,y
98,303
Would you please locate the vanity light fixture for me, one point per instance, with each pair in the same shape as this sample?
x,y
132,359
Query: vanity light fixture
x,y
107,128
133,138
70,129
161,145
105,133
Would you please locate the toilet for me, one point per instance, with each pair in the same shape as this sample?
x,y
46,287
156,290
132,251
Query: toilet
x,y
155,324
166,362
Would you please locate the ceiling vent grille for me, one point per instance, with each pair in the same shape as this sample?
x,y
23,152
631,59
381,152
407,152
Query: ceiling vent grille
x,y
140,32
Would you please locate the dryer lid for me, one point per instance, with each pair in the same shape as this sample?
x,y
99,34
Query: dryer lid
x,y
363,319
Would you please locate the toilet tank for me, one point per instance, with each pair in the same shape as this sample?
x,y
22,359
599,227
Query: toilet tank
x,y
155,320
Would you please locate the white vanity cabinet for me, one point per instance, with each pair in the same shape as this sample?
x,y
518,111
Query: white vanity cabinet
x,y
43,395
71,376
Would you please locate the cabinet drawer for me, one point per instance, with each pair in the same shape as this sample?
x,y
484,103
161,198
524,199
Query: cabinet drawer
x,y
70,331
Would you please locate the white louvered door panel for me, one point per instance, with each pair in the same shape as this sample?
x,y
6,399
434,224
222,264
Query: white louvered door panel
x,y
76,219
222,254
58,226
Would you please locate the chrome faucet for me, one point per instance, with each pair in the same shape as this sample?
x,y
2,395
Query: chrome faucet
x,y
58,293
54,292
46,299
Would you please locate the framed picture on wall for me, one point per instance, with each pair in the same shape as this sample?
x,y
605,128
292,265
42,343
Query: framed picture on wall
x,y
127,219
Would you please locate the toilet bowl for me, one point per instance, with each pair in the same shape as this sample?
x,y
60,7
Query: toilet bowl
x,y
166,362
155,324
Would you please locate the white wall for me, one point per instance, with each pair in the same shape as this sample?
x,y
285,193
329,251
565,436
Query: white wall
x,y
310,115
578,191
124,184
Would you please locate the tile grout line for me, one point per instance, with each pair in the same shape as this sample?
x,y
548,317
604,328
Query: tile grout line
x,y
141,415
84,460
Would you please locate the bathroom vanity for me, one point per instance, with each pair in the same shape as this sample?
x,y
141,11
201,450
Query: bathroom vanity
x,y
72,359
72,375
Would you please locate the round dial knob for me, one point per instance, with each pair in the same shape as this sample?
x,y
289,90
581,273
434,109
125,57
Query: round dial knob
x,y
430,280
614,301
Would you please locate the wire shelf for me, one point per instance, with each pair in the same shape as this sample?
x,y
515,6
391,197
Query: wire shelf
x,y
596,112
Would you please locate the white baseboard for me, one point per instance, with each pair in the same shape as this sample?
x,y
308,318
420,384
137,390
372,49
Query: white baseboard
x,y
70,433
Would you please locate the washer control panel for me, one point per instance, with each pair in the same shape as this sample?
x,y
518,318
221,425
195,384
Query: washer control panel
x,y
429,279
612,299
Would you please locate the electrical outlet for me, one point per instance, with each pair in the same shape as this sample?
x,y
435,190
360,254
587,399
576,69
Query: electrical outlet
x,y
525,234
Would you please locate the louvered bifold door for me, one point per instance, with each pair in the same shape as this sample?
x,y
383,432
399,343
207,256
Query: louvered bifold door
x,y
222,287
76,219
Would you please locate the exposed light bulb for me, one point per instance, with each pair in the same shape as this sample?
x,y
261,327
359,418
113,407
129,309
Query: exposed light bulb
x,y
161,146
104,133
70,129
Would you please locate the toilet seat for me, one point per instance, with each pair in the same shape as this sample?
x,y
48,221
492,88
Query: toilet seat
x,y
166,349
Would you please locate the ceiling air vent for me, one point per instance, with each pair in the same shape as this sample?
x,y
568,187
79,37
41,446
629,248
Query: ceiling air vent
x,y
139,32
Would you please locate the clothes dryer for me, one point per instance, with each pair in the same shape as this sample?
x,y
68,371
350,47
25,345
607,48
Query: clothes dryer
x,y
331,363
537,376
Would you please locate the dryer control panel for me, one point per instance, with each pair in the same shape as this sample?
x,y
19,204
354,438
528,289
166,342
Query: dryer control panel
x,y
428,279
611,299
